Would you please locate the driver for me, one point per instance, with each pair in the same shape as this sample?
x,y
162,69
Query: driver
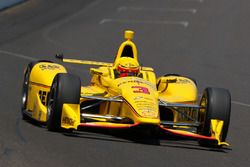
x,y
127,66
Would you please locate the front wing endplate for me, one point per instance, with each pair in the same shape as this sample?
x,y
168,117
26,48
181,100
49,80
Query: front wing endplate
x,y
70,118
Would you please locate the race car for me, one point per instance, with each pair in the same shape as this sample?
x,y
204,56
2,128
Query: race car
x,y
124,95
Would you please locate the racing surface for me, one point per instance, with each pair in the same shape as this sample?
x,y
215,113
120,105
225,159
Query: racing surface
x,y
205,39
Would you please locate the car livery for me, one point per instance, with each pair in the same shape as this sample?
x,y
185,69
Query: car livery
x,y
167,103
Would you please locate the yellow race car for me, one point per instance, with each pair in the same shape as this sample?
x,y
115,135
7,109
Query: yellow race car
x,y
124,95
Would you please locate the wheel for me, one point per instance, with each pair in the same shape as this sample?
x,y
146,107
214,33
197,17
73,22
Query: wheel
x,y
25,87
65,89
216,104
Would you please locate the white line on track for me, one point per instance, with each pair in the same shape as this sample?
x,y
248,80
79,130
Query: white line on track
x,y
17,55
46,33
241,104
200,1
20,56
142,9
164,22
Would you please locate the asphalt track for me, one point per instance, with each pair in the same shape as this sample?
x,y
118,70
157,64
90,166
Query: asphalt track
x,y
205,39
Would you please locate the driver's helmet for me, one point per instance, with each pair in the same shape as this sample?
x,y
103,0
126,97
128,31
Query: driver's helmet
x,y
127,66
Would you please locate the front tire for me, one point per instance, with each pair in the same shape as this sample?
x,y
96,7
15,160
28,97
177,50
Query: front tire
x,y
216,104
65,89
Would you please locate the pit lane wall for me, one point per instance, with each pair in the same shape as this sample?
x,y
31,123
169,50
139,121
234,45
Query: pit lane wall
x,y
8,3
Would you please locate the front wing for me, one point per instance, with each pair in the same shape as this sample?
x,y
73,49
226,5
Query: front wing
x,y
73,119
215,130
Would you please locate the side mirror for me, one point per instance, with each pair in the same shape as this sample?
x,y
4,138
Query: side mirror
x,y
99,71
162,84
59,56
95,71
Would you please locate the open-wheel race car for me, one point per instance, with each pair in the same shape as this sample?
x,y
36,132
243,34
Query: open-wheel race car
x,y
123,95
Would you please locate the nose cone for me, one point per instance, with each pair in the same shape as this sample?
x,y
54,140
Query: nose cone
x,y
141,95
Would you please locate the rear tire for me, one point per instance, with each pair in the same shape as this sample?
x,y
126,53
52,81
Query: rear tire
x,y
216,103
65,89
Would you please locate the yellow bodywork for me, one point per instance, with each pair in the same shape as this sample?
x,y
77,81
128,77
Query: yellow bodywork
x,y
177,89
70,118
139,106
216,131
41,78
140,94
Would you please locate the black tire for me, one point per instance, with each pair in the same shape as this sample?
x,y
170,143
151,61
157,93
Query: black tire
x,y
25,87
65,89
217,105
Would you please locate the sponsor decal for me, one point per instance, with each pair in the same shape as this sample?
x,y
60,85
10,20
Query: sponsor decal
x,y
140,89
144,103
43,96
147,107
148,114
68,121
130,81
138,98
136,81
178,81
49,67
183,81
